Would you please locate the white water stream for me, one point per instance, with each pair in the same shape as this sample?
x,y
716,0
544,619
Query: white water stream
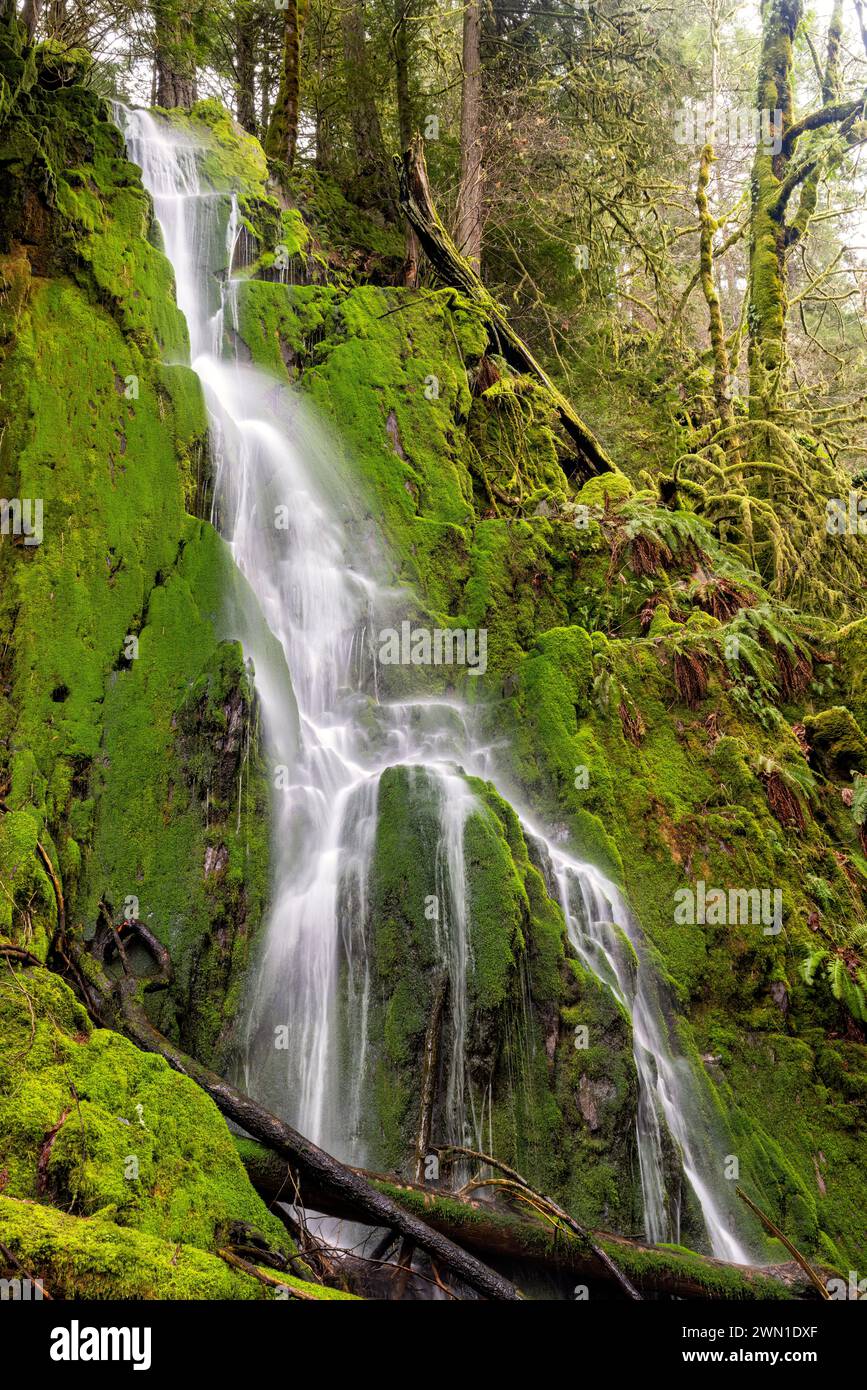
x,y
313,977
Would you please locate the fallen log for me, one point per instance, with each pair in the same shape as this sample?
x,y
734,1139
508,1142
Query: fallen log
x,y
116,1002
498,1235
417,205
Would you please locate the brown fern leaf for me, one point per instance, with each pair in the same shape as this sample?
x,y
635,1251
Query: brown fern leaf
x,y
794,676
784,803
633,724
647,556
691,677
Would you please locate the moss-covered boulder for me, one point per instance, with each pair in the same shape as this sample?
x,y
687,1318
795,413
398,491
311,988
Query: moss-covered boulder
x,y
93,1126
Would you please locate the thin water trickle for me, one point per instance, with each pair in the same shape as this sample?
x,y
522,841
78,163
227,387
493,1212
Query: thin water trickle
x,y
278,501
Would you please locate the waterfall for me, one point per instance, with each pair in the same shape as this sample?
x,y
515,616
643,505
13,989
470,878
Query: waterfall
x,y
278,502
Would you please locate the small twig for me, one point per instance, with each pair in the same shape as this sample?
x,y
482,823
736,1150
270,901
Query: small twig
x,y
13,1260
268,1279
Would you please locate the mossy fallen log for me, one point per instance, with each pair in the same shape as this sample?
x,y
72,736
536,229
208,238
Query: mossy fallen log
x,y
499,1235
416,201
116,1002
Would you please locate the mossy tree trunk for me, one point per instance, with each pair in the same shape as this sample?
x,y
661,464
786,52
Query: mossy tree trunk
x,y
416,201
282,139
719,347
768,299
790,157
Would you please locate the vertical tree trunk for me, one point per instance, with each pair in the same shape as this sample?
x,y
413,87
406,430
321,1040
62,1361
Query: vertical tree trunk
x,y
370,158
281,141
468,216
246,33
707,231
265,90
175,54
721,382
403,16
768,306
31,14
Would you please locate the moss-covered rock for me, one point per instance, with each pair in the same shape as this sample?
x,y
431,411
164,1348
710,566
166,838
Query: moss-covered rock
x,y
90,1124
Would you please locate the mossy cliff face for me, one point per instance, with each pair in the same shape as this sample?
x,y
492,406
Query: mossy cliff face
x,y
129,731
656,708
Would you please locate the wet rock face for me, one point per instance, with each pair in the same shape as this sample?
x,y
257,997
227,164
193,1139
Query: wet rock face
x,y
591,1096
213,726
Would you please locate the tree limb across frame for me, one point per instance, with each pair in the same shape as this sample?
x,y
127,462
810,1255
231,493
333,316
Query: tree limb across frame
x,y
416,202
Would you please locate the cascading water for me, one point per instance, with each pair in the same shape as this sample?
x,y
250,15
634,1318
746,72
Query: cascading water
x,y
278,502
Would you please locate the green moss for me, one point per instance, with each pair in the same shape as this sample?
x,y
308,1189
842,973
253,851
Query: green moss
x,y
93,1125
838,741
608,488
95,1259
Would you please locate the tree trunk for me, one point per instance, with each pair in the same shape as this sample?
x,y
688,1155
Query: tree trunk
x,y
31,15
721,382
430,1065
245,60
404,15
175,55
281,141
370,161
768,305
417,204
468,215
498,1235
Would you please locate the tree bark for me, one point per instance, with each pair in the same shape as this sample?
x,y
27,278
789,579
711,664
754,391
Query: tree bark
x,y
497,1235
468,214
404,15
430,1064
417,204
31,15
721,378
175,56
245,66
281,141
370,161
